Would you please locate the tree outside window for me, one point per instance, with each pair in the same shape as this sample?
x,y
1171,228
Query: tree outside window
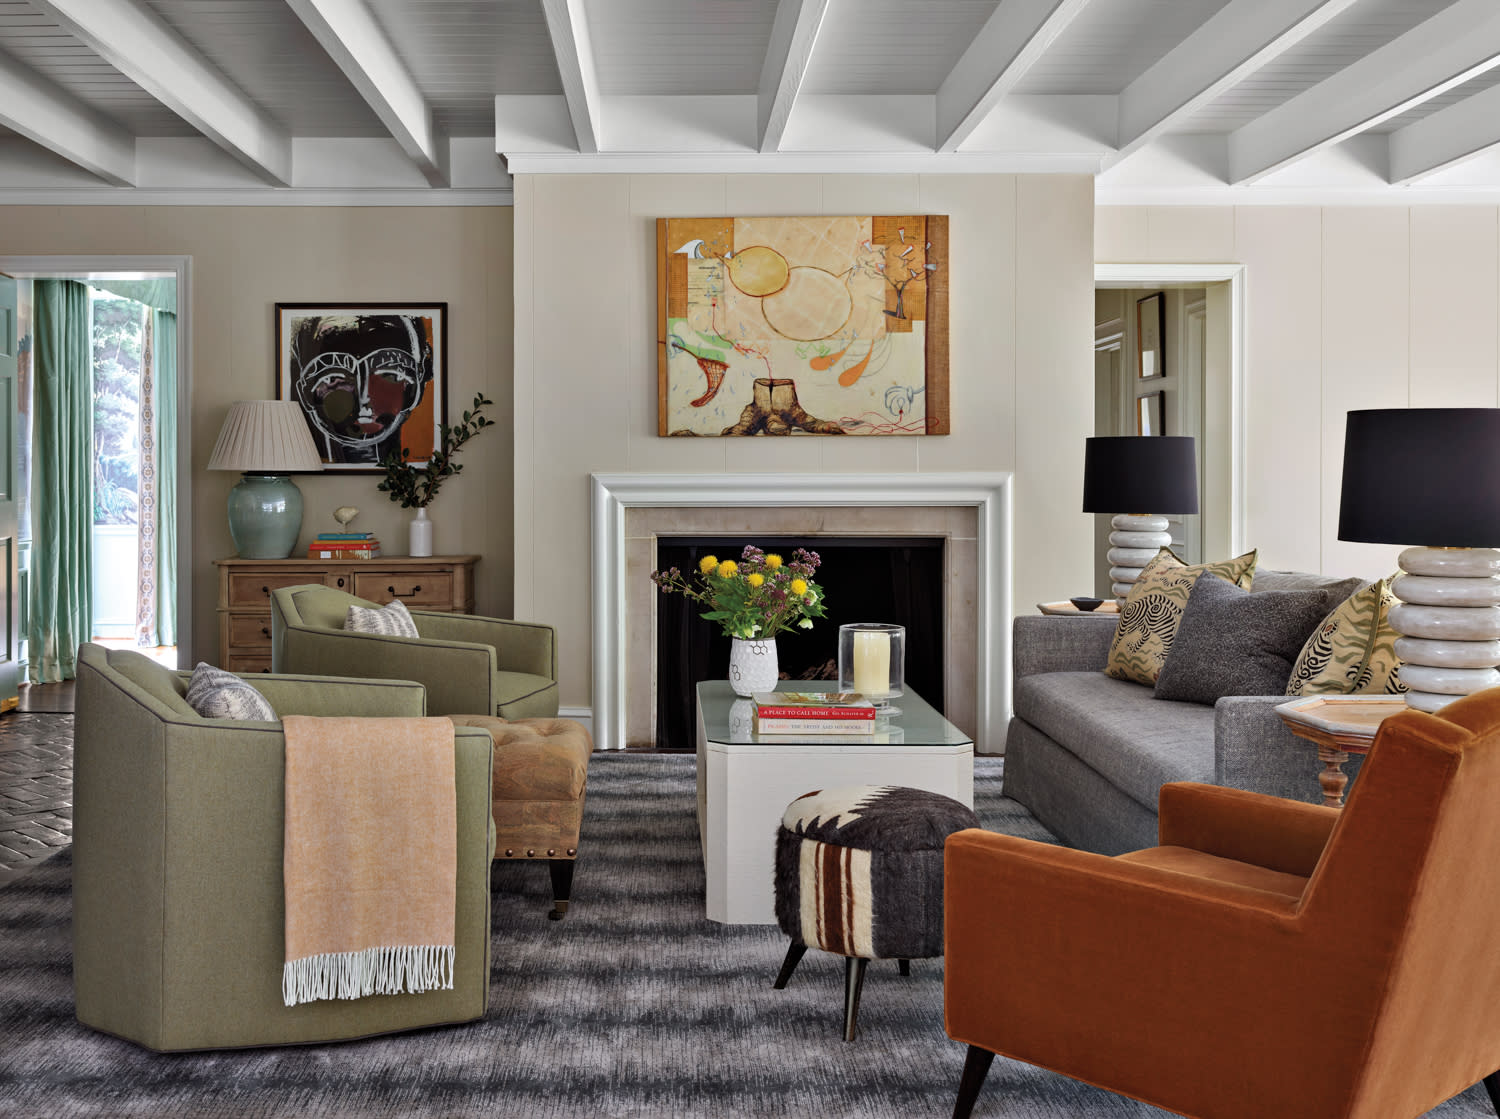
x,y
119,326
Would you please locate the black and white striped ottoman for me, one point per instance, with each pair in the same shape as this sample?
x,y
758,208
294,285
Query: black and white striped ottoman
x,y
859,872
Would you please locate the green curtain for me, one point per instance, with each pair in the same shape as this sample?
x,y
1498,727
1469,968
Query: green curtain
x,y
164,383
159,293
62,480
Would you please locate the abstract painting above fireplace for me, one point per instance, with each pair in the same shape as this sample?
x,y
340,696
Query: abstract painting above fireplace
x,y
802,325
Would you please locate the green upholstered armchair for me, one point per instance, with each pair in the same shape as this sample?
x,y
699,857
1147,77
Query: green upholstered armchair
x,y
178,904
469,664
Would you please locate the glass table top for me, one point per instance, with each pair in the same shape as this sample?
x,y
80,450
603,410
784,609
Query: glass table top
x,y
728,717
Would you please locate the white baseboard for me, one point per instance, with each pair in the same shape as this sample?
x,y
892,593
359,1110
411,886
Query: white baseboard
x,y
584,715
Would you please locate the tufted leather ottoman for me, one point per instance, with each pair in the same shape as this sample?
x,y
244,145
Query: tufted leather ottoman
x,y
859,873
541,768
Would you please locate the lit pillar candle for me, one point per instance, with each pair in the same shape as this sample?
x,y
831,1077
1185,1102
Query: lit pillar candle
x,y
872,662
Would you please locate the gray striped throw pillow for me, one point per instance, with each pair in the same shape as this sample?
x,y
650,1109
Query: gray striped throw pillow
x,y
390,621
216,694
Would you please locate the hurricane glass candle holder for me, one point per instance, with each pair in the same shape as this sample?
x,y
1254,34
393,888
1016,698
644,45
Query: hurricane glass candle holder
x,y
872,661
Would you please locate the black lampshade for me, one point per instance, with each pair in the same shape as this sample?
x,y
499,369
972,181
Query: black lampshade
x,y
1422,476
1140,474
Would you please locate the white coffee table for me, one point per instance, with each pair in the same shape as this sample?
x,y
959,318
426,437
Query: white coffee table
x,y
745,784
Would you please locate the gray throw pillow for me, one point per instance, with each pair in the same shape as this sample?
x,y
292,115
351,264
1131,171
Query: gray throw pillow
x,y
216,694
389,621
1232,642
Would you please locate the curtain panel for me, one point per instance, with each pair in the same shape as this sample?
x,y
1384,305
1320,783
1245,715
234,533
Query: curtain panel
x,y
60,609
164,383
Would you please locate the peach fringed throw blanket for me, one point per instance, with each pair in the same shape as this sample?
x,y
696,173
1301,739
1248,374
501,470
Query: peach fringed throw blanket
x,y
371,857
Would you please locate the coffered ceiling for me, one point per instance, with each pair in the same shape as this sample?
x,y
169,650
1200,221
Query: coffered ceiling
x,y
415,100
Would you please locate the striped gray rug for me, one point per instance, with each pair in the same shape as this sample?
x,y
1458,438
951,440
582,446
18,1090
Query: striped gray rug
x,y
635,1005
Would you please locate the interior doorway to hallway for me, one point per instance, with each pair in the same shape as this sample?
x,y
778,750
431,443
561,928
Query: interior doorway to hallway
x,y
140,491
1168,344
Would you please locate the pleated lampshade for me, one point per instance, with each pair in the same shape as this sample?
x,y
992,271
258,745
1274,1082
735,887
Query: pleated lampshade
x,y
265,437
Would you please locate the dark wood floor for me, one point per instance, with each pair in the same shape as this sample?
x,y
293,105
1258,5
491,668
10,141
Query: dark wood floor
x,y
36,778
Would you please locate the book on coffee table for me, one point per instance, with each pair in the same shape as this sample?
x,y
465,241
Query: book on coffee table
x,y
813,713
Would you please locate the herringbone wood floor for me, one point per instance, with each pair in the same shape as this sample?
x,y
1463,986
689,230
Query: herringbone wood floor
x,y
36,778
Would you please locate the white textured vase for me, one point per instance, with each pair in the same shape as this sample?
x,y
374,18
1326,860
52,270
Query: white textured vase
x,y
752,665
419,542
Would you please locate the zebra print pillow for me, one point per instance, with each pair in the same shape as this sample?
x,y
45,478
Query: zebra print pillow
x,y
1154,608
1352,650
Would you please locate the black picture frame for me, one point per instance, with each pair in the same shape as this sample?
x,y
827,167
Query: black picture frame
x,y
371,378
1151,414
1150,337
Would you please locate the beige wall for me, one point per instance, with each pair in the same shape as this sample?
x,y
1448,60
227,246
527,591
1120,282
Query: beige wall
x,y
245,259
585,394
1347,307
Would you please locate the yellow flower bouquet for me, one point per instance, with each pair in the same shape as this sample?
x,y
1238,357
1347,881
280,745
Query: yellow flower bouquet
x,y
753,598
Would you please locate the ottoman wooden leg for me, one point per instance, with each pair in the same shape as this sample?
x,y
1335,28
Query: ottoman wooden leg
x,y
854,981
905,966
794,954
562,886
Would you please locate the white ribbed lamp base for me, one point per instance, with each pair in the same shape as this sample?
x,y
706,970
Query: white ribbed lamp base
x,y
1133,544
1449,619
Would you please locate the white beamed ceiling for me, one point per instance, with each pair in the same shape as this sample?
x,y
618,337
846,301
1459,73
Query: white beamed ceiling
x,y
413,101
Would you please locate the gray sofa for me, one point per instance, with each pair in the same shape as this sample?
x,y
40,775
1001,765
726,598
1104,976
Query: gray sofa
x,y
1087,754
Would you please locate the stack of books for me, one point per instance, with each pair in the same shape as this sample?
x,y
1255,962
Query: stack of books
x,y
344,545
813,713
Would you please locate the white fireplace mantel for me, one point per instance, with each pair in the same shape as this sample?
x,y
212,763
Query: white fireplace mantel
x,y
989,494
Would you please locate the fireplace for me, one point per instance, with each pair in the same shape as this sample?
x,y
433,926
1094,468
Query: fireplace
x,y
897,579
969,512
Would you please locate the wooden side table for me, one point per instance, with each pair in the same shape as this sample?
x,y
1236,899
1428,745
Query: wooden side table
x,y
245,586
1340,725
1067,609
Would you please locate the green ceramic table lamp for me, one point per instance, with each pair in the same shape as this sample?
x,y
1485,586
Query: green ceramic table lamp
x,y
266,439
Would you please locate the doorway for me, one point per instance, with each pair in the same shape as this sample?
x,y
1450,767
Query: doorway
x,y
140,514
1168,344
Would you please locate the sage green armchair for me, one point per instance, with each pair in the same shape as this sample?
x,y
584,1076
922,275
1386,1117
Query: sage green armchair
x,y
470,665
178,904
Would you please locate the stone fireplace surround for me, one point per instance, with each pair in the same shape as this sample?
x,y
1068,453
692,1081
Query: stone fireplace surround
x,y
972,510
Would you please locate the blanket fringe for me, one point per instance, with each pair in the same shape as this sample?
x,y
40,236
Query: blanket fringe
x,y
408,968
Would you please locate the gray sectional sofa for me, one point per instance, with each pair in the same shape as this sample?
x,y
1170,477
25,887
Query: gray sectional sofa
x,y
1087,754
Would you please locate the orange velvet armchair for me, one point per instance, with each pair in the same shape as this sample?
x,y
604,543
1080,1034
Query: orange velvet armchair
x,y
1269,958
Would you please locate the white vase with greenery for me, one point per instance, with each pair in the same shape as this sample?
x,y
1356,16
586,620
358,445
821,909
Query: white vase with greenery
x,y
414,487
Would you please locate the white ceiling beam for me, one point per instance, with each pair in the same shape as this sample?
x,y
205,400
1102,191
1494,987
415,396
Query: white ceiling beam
x,y
1446,137
1457,44
49,115
361,49
1015,36
135,40
793,35
1234,43
568,24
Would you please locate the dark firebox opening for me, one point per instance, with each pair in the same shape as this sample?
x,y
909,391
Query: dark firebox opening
x,y
865,579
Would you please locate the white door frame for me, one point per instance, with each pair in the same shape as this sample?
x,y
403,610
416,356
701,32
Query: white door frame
x,y
1156,275
82,267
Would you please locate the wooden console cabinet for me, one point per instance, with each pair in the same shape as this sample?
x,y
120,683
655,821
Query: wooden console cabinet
x,y
245,586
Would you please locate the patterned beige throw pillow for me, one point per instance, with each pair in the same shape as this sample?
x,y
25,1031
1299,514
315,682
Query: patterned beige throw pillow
x,y
1353,650
1154,607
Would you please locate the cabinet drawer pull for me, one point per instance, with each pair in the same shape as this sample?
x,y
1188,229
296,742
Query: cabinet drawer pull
x,y
265,631
266,591
415,590
341,580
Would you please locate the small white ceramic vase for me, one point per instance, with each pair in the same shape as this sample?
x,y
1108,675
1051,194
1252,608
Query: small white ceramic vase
x,y
752,665
420,539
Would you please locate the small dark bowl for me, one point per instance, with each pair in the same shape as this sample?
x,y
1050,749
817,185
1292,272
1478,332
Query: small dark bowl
x,y
1087,603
